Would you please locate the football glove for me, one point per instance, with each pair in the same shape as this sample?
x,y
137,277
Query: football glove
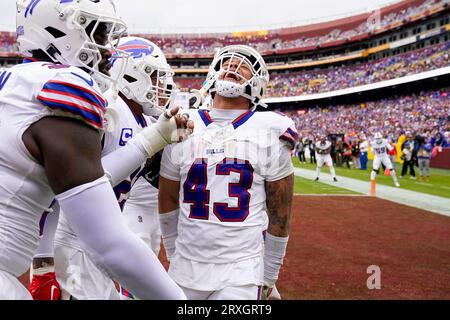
x,y
43,284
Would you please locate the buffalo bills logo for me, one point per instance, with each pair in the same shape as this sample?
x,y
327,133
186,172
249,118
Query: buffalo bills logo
x,y
136,48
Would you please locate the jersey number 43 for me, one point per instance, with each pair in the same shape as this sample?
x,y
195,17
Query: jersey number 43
x,y
196,193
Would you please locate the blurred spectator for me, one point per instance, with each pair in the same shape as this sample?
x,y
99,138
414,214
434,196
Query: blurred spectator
x,y
424,156
364,149
300,148
407,157
312,151
347,153
356,153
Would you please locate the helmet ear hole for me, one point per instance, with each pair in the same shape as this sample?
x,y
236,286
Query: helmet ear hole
x,y
129,78
55,32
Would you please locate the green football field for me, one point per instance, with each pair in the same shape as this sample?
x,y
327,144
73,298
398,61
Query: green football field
x,y
438,184
305,186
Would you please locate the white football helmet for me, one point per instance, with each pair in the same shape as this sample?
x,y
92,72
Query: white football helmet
x,y
64,30
253,89
378,137
148,78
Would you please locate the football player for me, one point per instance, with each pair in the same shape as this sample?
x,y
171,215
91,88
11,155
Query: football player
x,y
323,149
380,148
143,92
233,174
52,112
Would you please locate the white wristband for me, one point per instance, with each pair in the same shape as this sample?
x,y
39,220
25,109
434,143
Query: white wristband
x,y
169,231
274,252
151,140
42,270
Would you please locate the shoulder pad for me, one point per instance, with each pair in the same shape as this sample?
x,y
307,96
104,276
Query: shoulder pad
x,y
71,92
282,125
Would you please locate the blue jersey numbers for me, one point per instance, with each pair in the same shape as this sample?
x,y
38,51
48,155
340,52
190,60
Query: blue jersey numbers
x,y
196,193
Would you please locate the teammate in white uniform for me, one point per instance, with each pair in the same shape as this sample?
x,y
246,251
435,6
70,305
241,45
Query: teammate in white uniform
x,y
51,119
233,174
380,148
75,271
323,149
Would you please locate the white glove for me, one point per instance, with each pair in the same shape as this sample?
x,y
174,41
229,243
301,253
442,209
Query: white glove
x,y
156,136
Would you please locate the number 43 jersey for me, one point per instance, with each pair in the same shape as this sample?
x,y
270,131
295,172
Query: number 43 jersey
x,y
222,169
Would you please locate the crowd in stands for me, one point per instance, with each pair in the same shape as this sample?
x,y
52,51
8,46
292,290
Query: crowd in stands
x,y
202,44
335,78
8,42
271,41
426,114
417,126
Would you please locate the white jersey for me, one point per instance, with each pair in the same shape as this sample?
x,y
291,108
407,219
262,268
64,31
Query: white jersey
x,y
142,192
116,136
28,93
222,171
381,149
141,213
323,148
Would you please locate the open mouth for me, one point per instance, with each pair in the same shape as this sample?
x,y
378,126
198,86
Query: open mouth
x,y
231,77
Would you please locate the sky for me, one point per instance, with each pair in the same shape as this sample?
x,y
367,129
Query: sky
x,y
200,16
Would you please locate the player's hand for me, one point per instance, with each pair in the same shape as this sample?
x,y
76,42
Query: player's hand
x,y
269,293
44,286
170,127
184,126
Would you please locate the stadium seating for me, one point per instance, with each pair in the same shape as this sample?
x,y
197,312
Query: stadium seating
x,y
423,113
335,78
270,41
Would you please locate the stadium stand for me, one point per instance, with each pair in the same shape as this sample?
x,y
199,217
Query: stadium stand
x,y
425,113
303,38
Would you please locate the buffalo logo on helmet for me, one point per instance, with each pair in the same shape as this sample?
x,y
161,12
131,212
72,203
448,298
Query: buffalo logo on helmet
x,y
137,48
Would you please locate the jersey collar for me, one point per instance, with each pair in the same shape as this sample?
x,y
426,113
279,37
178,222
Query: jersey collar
x,y
239,121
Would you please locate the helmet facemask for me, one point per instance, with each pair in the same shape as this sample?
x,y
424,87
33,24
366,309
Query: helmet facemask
x,y
227,78
378,138
147,79
78,33
100,34
161,89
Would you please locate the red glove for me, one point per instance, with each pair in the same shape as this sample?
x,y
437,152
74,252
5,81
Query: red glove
x,y
43,285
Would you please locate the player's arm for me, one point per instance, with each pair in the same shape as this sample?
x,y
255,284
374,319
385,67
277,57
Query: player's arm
x,y
168,200
389,146
279,204
43,284
70,153
279,188
279,196
118,165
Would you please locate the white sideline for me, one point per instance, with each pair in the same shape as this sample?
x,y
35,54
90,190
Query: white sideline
x,y
419,200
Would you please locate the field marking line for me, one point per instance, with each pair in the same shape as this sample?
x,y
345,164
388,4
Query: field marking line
x,y
424,201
